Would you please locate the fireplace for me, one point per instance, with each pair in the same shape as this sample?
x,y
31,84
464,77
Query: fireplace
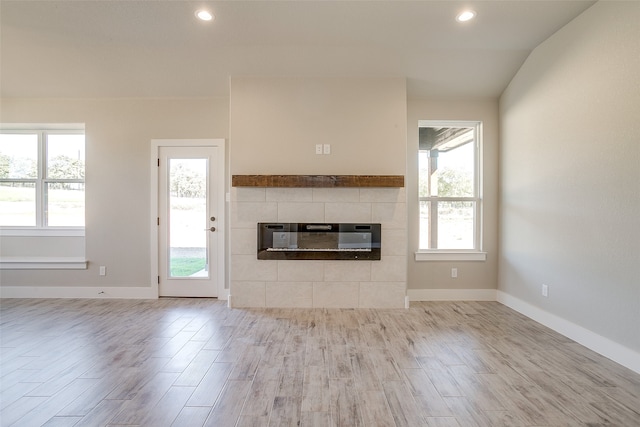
x,y
327,283
315,241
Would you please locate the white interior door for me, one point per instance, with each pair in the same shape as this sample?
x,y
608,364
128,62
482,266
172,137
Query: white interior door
x,y
189,224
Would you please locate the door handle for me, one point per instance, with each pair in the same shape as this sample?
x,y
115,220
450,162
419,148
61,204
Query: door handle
x,y
210,229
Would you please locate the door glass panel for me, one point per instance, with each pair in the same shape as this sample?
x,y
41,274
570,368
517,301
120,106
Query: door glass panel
x,y
188,224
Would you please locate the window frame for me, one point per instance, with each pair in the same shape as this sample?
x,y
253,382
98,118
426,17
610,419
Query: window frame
x,y
476,253
41,181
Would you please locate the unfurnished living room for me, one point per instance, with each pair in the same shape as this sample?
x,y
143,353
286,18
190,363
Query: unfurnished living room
x,y
319,213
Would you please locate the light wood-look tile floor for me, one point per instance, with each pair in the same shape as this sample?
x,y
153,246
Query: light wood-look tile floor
x,y
194,362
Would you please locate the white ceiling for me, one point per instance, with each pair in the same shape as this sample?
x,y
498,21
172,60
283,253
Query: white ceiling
x,y
150,48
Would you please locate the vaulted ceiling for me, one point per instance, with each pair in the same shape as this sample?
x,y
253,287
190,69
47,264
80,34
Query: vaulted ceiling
x,y
149,48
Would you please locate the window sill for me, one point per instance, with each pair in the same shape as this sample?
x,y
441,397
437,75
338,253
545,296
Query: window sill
x,y
42,232
42,263
450,256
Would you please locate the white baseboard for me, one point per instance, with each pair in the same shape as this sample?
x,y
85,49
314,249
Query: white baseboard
x,y
106,292
451,294
604,346
135,292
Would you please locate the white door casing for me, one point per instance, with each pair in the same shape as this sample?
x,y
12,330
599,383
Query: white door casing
x,y
181,223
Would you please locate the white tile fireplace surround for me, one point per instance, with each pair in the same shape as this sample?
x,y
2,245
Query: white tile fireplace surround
x,y
329,284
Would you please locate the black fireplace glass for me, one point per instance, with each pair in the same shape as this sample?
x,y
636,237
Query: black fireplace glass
x,y
315,241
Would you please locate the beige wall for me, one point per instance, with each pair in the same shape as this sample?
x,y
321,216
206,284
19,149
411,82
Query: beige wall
x,y
38,246
471,274
570,174
277,121
118,135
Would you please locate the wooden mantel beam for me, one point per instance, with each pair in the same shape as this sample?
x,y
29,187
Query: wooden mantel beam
x,y
317,181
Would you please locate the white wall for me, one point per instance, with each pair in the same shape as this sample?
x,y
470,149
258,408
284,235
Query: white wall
x,y
570,175
429,275
118,135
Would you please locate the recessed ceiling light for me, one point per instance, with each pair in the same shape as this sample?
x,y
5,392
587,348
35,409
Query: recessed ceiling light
x,y
204,15
465,16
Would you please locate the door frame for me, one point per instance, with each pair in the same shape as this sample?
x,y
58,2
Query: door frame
x,y
154,230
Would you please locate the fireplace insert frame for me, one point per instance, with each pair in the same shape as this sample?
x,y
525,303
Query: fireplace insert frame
x,y
319,241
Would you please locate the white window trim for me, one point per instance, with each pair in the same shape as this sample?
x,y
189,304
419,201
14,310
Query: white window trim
x,y
35,127
38,230
461,254
449,255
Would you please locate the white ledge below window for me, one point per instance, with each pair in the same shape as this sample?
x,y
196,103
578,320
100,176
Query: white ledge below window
x,y
42,232
450,256
43,263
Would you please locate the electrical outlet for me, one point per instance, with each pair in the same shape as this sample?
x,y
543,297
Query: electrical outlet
x,y
545,290
318,148
103,270
326,149
454,273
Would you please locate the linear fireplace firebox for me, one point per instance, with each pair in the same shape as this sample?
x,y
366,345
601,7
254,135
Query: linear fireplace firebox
x,y
339,241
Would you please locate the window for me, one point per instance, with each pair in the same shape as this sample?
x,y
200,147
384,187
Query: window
x,y
42,179
449,187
